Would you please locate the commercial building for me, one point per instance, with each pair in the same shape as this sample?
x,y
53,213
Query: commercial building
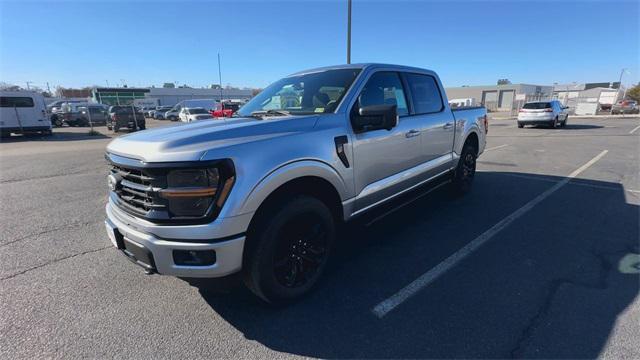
x,y
117,96
172,96
163,96
588,98
505,97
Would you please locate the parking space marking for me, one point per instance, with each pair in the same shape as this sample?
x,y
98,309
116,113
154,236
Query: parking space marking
x,y
384,307
496,147
634,129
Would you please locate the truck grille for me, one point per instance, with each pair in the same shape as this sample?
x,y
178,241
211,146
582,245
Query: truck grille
x,y
137,190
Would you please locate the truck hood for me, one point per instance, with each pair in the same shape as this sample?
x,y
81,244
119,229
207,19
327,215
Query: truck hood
x,y
189,142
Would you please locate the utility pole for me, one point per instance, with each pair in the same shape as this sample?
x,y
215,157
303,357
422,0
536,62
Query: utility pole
x,y
28,82
348,31
220,77
107,81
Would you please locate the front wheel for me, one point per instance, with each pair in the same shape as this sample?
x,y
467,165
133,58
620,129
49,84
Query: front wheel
x,y
520,125
466,170
564,123
288,249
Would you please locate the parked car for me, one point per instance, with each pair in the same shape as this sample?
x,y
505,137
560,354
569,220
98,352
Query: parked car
x,y
23,112
551,113
159,112
173,114
625,107
125,117
55,107
193,114
83,114
264,192
225,109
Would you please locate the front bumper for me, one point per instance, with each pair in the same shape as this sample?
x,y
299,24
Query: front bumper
x,y
157,254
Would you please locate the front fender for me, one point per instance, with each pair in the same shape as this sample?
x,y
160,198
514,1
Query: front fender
x,y
288,172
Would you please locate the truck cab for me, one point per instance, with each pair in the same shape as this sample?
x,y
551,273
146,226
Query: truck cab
x,y
263,192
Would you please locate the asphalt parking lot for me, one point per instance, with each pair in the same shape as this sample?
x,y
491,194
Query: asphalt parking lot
x,y
540,260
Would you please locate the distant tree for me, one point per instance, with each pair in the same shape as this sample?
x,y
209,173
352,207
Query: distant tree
x,y
169,85
255,92
9,87
634,93
504,82
215,86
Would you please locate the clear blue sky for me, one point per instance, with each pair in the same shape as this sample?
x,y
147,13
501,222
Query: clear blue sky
x,y
467,42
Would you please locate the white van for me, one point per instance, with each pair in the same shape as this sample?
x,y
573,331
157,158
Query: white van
x,y
23,112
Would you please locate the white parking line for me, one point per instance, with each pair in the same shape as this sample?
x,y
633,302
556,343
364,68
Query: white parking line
x,y
634,129
496,147
427,278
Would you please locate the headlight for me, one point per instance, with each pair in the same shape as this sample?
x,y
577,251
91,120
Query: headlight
x,y
193,192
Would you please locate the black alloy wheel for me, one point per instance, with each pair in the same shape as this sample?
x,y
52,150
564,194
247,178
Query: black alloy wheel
x,y
288,248
301,250
466,170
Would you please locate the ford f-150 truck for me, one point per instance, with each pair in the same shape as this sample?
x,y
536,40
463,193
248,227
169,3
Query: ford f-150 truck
x,y
263,192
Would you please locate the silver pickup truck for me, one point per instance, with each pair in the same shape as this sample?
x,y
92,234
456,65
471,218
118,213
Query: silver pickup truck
x,y
263,192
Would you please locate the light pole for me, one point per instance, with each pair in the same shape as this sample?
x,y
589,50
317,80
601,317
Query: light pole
x,y
348,31
220,78
618,90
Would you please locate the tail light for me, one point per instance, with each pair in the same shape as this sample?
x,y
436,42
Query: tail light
x,y
114,117
548,110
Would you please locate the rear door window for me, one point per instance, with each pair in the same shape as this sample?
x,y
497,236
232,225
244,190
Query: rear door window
x,y
16,101
425,93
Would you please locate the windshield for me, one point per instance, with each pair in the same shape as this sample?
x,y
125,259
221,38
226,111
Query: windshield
x,y
315,93
537,105
198,111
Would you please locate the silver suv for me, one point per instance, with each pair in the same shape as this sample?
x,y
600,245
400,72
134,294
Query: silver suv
x,y
551,113
263,192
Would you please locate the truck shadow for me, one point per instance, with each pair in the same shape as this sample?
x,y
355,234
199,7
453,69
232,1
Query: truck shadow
x,y
551,284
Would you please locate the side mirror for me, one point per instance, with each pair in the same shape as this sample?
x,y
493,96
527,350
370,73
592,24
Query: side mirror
x,y
375,117
565,107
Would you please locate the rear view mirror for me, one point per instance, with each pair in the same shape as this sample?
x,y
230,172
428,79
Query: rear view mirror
x,y
375,117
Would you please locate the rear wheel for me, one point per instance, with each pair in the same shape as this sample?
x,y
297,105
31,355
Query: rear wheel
x,y
564,123
520,125
466,170
287,251
554,123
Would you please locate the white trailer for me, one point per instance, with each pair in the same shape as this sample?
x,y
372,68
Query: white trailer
x,y
23,112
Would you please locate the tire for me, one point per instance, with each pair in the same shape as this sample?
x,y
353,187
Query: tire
x,y
564,123
116,128
56,121
288,249
520,125
554,123
465,171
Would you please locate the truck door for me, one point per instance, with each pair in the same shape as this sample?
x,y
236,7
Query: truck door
x,y
381,156
436,122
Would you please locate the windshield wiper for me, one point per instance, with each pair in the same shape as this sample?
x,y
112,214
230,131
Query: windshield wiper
x,y
272,112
